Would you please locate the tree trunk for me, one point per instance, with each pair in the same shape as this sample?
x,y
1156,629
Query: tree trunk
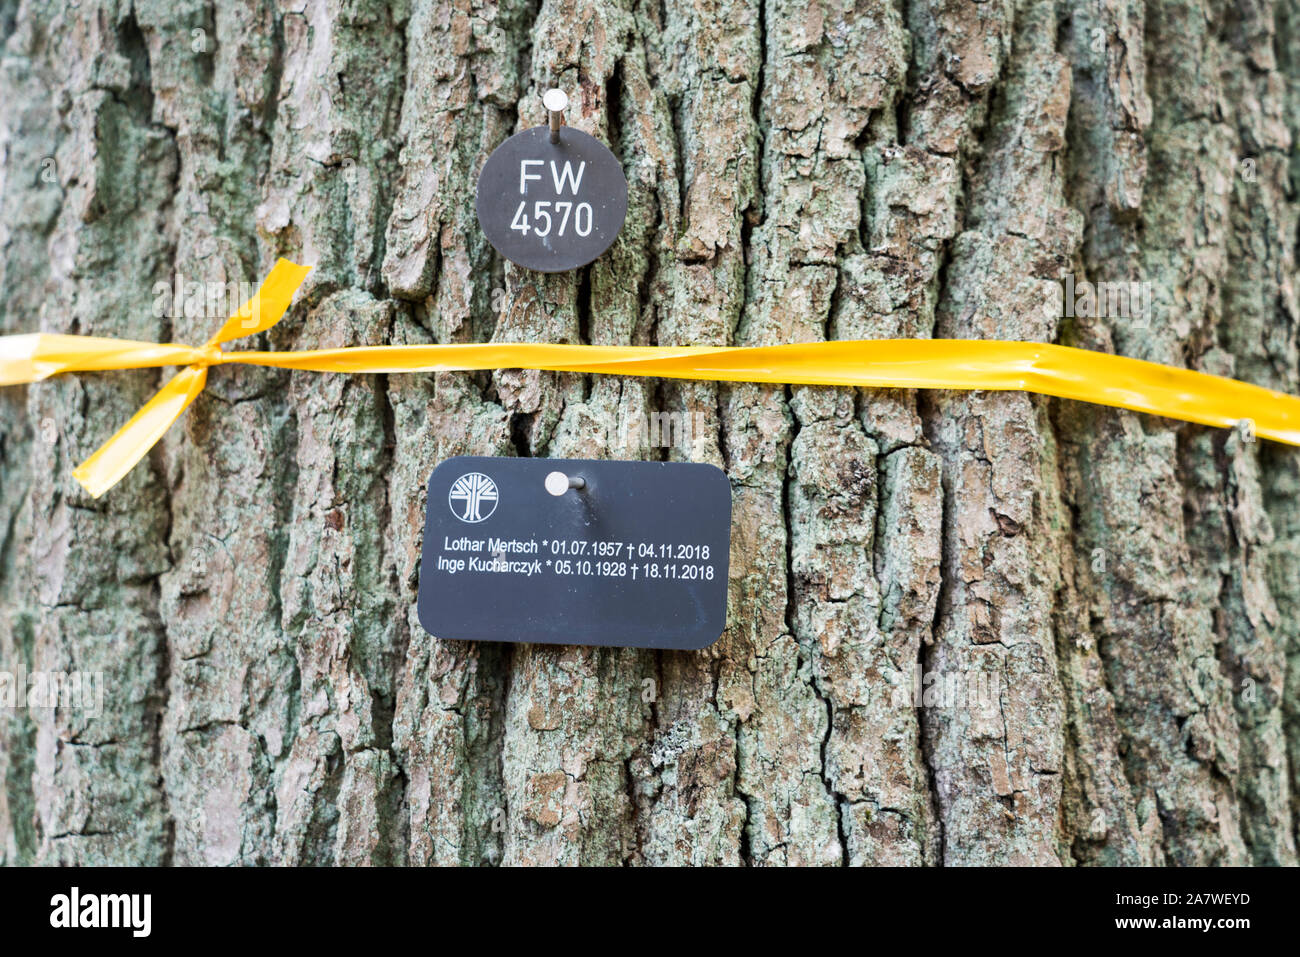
x,y
1101,609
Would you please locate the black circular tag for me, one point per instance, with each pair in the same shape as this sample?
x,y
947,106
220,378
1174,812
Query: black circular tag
x,y
551,206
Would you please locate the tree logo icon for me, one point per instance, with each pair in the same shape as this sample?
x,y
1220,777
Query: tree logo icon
x,y
473,497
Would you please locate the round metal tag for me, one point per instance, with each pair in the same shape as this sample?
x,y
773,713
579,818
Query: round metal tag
x,y
551,206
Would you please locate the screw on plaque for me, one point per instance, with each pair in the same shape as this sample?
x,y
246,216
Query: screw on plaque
x,y
557,483
556,102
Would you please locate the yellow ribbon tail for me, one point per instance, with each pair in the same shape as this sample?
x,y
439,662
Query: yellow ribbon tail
x,y
112,460
268,305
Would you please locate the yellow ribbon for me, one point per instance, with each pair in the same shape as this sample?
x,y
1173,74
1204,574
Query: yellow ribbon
x,y
1060,371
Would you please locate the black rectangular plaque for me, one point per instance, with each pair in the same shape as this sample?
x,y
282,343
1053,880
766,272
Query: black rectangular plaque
x,y
635,557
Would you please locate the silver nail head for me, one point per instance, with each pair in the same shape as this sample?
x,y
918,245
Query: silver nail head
x,y
557,483
555,101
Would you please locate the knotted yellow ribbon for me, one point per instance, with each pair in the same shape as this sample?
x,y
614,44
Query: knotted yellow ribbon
x,y
1060,371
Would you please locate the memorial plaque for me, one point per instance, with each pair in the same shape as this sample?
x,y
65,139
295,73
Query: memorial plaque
x,y
576,552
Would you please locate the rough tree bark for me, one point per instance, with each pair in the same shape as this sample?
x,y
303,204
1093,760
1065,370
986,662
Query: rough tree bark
x,y
1128,586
